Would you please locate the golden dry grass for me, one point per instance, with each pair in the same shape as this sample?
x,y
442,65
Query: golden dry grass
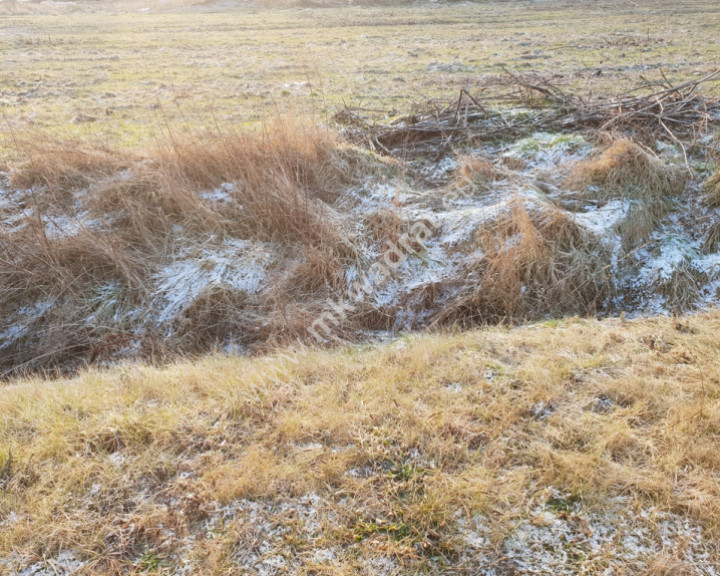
x,y
711,242
280,184
392,450
640,222
281,170
535,260
475,172
384,225
62,166
711,187
628,170
683,288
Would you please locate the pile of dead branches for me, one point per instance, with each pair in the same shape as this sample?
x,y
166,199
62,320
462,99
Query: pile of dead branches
x,y
674,112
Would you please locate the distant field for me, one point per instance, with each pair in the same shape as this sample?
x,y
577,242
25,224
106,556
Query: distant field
x,y
125,75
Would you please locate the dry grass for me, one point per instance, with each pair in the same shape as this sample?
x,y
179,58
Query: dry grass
x,y
283,4
384,226
313,51
32,260
476,172
280,173
61,167
570,447
310,157
535,261
711,187
52,284
432,453
280,203
628,170
215,316
711,242
317,269
682,289
128,214
641,220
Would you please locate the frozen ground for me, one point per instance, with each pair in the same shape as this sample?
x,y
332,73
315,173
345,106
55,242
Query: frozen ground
x,y
559,536
195,270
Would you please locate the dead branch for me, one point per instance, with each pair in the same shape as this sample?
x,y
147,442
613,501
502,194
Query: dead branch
x,y
676,113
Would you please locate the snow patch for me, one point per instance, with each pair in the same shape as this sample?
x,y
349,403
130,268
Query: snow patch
x,y
235,264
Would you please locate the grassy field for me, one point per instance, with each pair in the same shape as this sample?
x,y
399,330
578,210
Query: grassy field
x,y
574,447
174,190
125,76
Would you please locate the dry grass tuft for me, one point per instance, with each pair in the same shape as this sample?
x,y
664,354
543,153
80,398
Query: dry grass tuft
x,y
641,220
312,158
214,317
146,203
318,268
535,261
476,172
711,187
62,167
282,178
32,260
682,290
711,242
52,285
513,162
628,170
384,226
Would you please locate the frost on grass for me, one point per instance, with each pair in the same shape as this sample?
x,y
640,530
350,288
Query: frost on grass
x,y
22,322
601,220
237,265
533,170
546,150
266,532
225,285
64,564
561,535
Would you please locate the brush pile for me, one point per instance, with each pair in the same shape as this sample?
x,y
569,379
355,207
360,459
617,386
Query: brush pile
x,y
678,113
